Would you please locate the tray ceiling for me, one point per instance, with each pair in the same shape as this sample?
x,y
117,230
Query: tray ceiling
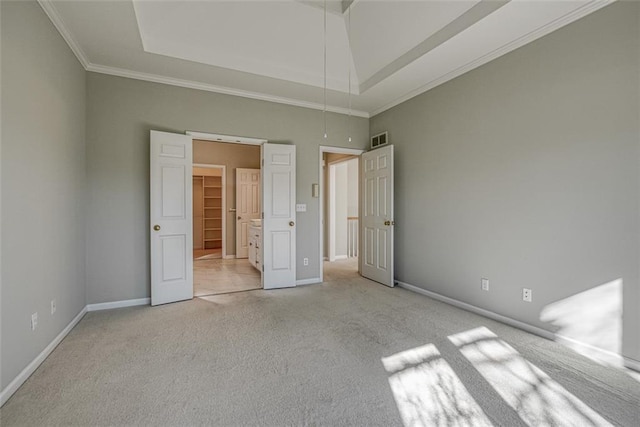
x,y
273,50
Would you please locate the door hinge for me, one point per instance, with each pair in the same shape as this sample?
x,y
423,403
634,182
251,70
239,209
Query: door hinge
x,y
263,268
262,215
262,162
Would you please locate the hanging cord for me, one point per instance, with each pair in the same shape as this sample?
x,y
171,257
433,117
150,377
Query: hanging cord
x,y
349,65
324,110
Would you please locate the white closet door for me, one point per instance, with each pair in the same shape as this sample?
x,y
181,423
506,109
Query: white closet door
x,y
278,224
247,207
171,218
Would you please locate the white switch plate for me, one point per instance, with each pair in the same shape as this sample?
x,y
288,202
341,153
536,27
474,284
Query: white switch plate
x,y
484,283
301,207
34,321
305,261
53,306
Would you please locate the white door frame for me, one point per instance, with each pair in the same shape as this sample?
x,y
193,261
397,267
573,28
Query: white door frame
x,y
230,139
224,200
336,150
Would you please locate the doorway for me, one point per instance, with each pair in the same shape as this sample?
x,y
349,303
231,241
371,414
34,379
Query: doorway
x,y
339,213
220,239
171,217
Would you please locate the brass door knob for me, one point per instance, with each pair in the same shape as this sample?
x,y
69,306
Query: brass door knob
x,y
291,223
156,227
387,222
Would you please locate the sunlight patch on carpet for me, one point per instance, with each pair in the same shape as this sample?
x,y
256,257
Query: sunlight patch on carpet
x,y
428,392
538,399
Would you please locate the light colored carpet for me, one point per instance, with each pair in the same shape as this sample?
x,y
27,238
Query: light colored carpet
x,y
312,355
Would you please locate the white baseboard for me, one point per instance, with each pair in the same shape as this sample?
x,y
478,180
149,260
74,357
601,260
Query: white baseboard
x,y
308,281
31,367
632,364
481,311
341,257
118,304
229,257
604,355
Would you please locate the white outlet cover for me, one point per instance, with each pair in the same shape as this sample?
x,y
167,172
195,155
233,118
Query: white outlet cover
x,y
484,284
527,295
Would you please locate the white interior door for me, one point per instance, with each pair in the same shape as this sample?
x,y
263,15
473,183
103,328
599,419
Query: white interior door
x,y
278,223
171,218
377,215
247,207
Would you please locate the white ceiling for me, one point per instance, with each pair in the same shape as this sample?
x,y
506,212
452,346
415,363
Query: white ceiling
x,y
274,50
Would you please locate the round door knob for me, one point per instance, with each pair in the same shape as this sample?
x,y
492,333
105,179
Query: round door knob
x,y
156,227
387,223
291,223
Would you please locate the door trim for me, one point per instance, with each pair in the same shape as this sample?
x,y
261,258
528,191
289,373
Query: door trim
x,y
336,150
224,199
214,137
203,136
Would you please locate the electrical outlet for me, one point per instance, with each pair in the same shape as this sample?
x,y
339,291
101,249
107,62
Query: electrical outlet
x,y
527,295
484,284
53,306
305,261
34,321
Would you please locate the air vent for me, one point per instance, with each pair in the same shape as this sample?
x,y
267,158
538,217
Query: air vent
x,y
379,140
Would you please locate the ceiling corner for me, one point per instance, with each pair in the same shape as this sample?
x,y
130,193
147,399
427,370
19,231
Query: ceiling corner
x,y
50,10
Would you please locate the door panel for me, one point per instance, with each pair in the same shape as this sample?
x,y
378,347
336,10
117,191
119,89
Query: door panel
x,y
377,218
171,218
278,225
198,213
247,207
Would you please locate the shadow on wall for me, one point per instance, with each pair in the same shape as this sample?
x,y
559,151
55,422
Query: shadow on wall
x,y
590,322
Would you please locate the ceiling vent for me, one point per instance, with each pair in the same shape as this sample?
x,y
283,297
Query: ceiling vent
x,y
379,140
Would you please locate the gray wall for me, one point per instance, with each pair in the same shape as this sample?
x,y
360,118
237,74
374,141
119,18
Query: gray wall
x,y
233,156
43,176
120,113
526,171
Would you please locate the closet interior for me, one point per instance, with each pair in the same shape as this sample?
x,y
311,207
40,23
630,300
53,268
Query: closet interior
x,y
207,211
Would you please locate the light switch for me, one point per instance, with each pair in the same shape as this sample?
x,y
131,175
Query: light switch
x,y
301,207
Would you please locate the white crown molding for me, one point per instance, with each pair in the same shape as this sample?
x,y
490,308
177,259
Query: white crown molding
x,y
496,53
54,16
56,20
190,84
